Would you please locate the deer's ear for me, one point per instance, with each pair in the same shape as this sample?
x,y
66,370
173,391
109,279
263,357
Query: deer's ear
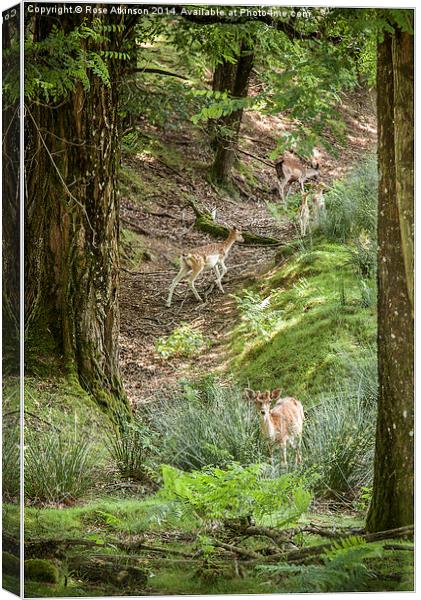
x,y
250,394
275,394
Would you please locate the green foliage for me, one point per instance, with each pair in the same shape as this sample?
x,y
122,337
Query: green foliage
x,y
207,424
342,570
10,564
363,256
55,64
130,447
183,341
339,433
313,304
256,313
38,569
237,492
351,205
10,459
59,465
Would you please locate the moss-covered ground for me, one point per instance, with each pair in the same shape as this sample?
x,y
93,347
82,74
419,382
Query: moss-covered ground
x,y
321,322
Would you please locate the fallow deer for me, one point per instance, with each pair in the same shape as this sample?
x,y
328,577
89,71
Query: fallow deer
x,y
283,424
304,215
290,169
318,204
205,258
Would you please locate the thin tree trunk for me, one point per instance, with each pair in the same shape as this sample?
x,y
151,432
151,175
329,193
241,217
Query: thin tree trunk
x,y
392,503
232,78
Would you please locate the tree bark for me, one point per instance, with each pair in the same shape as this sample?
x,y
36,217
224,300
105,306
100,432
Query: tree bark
x,y
393,491
403,73
234,79
72,236
10,205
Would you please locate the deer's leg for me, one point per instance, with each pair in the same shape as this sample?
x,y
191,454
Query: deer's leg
x,y
183,272
218,278
284,454
192,278
298,457
281,187
224,269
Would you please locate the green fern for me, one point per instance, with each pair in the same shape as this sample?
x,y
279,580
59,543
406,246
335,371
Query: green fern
x,y
342,569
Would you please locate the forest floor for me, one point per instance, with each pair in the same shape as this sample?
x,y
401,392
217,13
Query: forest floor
x,y
159,224
118,539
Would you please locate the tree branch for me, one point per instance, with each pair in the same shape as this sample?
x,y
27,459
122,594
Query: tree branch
x,y
158,71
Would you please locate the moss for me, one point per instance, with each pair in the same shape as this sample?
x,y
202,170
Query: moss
x,y
205,223
321,322
133,251
39,569
11,564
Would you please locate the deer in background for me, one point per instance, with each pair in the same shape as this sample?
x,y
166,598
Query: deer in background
x,y
290,169
304,215
318,204
283,424
204,258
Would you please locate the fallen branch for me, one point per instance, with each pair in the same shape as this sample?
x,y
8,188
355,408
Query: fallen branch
x,y
205,222
135,227
237,550
265,162
315,551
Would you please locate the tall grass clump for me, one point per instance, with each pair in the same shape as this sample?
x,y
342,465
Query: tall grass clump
x,y
10,461
59,466
207,424
339,435
351,204
130,446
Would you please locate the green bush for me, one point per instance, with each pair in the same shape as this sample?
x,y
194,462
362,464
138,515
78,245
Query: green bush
x,y
351,204
58,465
207,424
38,569
237,492
183,341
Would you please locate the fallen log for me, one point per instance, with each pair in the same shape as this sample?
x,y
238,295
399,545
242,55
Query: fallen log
x,y
205,222
298,556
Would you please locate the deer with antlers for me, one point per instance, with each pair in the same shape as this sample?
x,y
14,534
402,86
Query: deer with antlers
x,y
283,424
203,258
290,168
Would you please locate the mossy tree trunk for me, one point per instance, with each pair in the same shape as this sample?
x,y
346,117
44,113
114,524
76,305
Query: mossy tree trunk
x,y
72,237
393,492
234,79
10,205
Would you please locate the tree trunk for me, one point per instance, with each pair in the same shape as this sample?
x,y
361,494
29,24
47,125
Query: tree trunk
x,y
72,236
234,79
392,503
10,206
403,73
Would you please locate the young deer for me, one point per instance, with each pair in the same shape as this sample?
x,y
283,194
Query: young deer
x,y
283,424
318,204
204,258
304,215
290,169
